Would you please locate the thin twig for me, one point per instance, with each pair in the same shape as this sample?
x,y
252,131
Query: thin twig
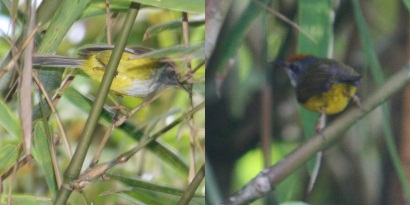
x,y
9,197
66,82
108,21
185,31
268,178
101,146
56,168
193,186
53,110
285,19
97,171
190,74
16,57
144,143
124,118
26,80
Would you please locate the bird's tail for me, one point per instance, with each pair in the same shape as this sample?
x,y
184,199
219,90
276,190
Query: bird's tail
x,y
56,61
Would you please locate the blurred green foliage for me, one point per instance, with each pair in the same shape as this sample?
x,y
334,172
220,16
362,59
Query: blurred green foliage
x,y
357,170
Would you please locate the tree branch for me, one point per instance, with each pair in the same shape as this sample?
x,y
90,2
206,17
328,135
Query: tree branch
x,y
268,178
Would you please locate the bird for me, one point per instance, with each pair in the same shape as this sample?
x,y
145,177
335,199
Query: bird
x,y
138,77
323,85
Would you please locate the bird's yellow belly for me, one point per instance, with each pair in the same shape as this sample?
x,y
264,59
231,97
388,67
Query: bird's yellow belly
x,y
333,101
134,77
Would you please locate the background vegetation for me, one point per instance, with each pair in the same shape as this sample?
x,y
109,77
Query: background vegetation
x,y
253,119
159,174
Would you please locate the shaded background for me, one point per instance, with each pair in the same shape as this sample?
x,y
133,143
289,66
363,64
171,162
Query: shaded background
x,y
246,97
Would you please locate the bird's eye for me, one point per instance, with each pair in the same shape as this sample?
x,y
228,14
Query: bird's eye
x,y
295,67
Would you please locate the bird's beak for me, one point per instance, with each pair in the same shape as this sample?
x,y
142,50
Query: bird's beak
x,y
182,86
279,64
285,65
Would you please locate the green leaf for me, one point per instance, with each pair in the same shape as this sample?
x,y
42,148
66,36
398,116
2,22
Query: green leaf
x,y
170,25
66,15
179,51
315,18
8,157
85,104
294,203
137,183
150,197
158,149
407,3
9,121
26,199
42,154
378,76
168,156
150,193
99,8
192,6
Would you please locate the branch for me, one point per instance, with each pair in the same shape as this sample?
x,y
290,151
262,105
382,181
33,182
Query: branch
x,y
268,178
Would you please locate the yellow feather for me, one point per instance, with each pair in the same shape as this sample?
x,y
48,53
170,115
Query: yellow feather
x,y
129,71
333,101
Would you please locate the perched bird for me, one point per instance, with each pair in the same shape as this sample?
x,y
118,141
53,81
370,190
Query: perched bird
x,y
135,76
322,85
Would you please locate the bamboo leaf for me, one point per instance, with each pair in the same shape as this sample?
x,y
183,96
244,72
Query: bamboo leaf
x,y
42,154
194,6
17,199
8,157
9,121
166,154
171,25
